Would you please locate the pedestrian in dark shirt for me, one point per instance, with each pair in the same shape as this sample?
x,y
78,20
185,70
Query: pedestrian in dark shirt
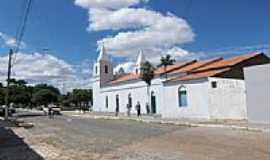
x,y
116,110
147,108
128,109
138,108
50,112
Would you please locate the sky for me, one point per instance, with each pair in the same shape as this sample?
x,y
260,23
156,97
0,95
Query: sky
x,y
62,36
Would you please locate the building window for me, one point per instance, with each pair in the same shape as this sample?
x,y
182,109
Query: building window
x,y
96,70
106,69
214,84
107,102
182,96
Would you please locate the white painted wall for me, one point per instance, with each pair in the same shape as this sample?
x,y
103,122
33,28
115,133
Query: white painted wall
x,y
258,93
228,100
138,91
197,100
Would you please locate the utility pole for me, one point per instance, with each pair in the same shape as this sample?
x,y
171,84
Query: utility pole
x,y
8,83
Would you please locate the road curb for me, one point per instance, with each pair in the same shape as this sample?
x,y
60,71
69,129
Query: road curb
x,y
186,124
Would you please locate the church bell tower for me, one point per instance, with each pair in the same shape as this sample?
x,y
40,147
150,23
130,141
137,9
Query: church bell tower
x,y
139,63
103,68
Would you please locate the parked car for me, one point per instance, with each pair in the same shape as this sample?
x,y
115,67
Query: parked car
x,y
11,111
55,110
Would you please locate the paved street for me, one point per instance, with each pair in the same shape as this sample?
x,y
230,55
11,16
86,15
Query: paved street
x,y
66,138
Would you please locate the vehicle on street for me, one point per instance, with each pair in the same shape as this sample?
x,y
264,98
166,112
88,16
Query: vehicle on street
x,y
11,110
55,110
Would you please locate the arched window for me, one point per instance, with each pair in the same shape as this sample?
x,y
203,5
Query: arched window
x,y
107,102
182,96
106,69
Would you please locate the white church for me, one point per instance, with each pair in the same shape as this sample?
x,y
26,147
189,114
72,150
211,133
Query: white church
x,y
205,89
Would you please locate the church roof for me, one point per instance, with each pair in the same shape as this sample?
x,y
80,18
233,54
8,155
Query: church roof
x,y
125,77
195,69
199,75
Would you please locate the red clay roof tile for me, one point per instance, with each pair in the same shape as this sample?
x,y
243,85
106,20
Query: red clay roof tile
x,y
227,62
199,75
194,69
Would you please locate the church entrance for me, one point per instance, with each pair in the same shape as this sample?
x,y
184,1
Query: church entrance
x,y
153,103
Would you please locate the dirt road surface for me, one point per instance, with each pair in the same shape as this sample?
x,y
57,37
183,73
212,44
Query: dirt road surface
x,y
75,138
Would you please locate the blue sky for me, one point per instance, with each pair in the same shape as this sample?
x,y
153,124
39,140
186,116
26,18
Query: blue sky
x,y
61,26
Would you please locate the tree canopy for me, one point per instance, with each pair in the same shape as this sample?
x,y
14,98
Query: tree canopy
x,y
23,95
166,61
147,73
2,96
44,97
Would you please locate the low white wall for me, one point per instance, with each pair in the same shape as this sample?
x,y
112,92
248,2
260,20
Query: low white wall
x,y
197,100
228,100
258,93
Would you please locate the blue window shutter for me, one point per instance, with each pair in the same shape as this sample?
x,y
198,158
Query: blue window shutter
x,y
182,97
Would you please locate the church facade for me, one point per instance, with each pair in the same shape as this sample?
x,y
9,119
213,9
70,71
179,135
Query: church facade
x,y
206,89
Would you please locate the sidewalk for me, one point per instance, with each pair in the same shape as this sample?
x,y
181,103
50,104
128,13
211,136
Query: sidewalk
x,y
240,125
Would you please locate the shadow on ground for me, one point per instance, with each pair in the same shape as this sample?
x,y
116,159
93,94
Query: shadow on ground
x,y
13,147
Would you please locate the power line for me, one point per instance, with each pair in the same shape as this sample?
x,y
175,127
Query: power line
x,y
21,29
23,26
19,36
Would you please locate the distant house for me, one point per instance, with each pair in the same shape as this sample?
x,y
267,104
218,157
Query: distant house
x,y
258,93
207,89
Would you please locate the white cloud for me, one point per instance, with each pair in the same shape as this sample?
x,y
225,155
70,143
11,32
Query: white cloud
x,y
137,28
9,41
44,68
127,66
176,53
108,4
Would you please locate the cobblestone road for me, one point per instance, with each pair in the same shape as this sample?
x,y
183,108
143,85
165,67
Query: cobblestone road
x,y
66,138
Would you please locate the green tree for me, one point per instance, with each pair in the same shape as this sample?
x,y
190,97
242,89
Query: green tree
x,y
147,75
82,98
18,93
44,97
66,100
39,87
19,96
2,96
166,61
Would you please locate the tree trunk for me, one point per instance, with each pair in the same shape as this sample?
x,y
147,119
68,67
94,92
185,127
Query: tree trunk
x,y
165,69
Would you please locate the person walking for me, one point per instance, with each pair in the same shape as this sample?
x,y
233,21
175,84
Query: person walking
x,y
128,109
50,112
117,110
147,108
138,108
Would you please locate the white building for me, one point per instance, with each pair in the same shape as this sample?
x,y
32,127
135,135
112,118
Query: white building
x,y
258,93
208,89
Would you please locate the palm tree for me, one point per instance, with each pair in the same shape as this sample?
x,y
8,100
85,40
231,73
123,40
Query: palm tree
x,y
147,75
166,61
